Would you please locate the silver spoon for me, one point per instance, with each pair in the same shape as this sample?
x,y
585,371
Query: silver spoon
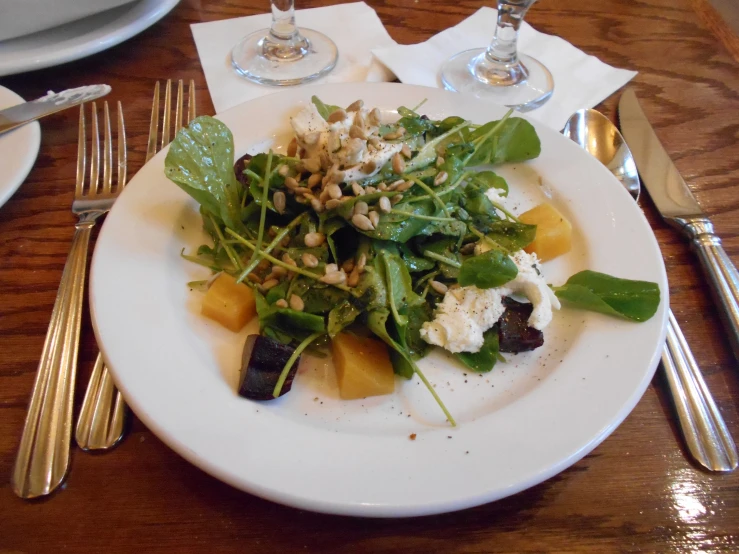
x,y
705,432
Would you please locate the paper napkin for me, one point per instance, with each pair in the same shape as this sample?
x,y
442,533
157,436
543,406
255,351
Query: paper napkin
x,y
355,28
580,80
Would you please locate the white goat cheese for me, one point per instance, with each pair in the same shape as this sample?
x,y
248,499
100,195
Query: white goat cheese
x,y
467,312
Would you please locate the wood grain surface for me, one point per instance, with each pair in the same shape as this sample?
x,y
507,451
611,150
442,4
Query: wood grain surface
x,y
637,492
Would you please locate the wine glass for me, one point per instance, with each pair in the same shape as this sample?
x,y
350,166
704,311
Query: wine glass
x,y
283,54
499,72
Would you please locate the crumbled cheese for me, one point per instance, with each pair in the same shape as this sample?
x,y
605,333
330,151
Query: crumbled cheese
x,y
467,312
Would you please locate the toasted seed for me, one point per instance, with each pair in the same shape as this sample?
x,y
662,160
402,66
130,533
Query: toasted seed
x,y
331,268
362,222
284,169
336,116
441,288
323,196
270,283
384,204
357,132
292,148
356,106
441,178
285,242
296,303
374,218
468,248
334,278
281,303
353,279
277,272
312,165
271,232
254,278
361,262
333,203
314,179
398,164
395,184
361,208
278,199
348,265
406,151
405,186
314,239
309,260
288,260
316,205
357,189
439,161
375,116
263,264
311,138
395,199
393,135
370,190
335,176
374,141
334,191
291,183
368,167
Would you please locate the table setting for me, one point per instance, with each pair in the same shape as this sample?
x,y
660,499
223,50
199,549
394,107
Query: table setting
x,y
518,157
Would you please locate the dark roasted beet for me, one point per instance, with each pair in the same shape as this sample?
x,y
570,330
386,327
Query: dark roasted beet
x,y
261,365
514,334
239,167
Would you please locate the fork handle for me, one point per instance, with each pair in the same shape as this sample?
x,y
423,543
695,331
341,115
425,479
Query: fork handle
x,y
43,455
705,432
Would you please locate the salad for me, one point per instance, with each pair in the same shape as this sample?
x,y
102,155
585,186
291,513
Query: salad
x,y
378,241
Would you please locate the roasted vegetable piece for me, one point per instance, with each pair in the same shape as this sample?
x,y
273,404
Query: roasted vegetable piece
x,y
553,232
363,366
514,333
229,303
261,364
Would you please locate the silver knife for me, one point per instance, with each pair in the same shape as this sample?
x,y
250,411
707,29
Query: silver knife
x,y
15,116
679,208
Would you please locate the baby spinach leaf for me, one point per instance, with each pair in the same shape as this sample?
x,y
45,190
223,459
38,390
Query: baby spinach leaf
x,y
600,292
200,161
483,360
490,269
324,109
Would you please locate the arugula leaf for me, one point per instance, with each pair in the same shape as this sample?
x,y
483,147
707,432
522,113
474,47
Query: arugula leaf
x,y
324,109
511,235
603,293
490,269
488,180
200,161
483,360
515,140
377,323
341,316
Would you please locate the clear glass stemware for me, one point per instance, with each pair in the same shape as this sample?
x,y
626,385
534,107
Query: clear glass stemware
x,y
499,72
283,54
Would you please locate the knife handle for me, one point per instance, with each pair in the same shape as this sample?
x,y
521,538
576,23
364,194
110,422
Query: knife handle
x,y
721,272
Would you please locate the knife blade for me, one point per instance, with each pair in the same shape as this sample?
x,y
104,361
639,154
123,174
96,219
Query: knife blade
x,y
678,206
15,116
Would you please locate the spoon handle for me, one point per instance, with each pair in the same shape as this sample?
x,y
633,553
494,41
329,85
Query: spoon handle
x,y
705,432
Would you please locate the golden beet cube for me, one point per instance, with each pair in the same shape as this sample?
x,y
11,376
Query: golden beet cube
x,y
363,366
229,303
553,232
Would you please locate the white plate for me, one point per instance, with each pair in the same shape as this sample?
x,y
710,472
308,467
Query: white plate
x,y
518,425
80,38
18,149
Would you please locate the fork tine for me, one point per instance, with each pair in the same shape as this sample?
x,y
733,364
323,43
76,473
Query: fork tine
x,y
95,152
151,147
81,154
107,151
178,107
191,101
167,120
122,151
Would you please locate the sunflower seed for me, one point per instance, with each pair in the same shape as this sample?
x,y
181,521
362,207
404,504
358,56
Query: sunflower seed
x,y
332,204
284,169
336,116
288,260
353,279
441,178
334,191
374,218
361,208
439,161
357,132
312,165
375,116
279,201
270,283
398,164
406,151
314,179
362,222
291,183
334,278
292,148
395,199
314,239
441,288
355,106
254,278
296,303
309,260
361,262
357,189
384,204
405,186
315,203
281,303
348,265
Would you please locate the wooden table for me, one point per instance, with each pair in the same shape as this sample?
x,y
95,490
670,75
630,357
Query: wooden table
x,y
635,492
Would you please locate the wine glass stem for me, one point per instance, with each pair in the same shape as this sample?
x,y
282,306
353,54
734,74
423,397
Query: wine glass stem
x,y
503,50
283,19
284,43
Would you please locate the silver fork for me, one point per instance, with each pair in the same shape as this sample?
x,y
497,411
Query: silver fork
x,y
99,427
43,455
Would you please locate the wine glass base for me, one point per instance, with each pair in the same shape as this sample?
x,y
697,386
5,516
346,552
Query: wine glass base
x,y
458,74
304,59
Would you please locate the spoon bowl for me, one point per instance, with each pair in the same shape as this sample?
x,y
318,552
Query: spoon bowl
x,y
595,133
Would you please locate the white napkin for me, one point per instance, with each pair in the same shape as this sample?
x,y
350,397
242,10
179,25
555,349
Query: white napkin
x,y
355,28
580,80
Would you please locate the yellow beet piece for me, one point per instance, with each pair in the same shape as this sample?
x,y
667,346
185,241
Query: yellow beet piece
x,y
363,366
553,232
229,303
